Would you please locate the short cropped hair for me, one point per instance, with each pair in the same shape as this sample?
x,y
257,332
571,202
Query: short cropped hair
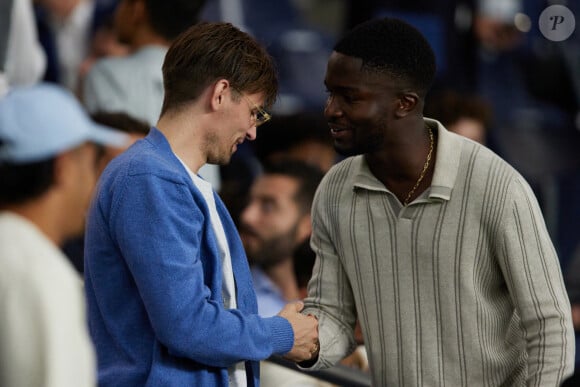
x,y
207,52
169,18
308,177
394,47
24,182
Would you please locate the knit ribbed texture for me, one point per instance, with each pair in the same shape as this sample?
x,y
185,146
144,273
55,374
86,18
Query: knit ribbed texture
x,y
461,288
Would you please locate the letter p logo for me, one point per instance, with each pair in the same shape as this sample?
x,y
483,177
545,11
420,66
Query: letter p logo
x,y
557,23
558,19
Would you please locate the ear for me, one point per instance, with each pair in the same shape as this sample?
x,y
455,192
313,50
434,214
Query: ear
x,y
406,103
218,92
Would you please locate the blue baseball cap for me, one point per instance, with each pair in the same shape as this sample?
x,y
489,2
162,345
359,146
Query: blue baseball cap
x,y
41,121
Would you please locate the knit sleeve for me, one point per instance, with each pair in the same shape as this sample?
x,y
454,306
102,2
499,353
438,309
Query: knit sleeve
x,y
534,280
159,228
330,296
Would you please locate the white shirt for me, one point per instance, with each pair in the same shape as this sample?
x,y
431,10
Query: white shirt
x,y
131,84
237,372
43,333
72,37
25,58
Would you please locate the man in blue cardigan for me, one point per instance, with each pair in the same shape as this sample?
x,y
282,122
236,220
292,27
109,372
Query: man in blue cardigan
x,y
170,297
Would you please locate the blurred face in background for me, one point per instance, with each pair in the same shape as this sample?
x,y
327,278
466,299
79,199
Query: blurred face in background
x,y
271,225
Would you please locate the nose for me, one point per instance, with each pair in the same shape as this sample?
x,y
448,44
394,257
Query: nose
x,y
251,133
248,214
331,108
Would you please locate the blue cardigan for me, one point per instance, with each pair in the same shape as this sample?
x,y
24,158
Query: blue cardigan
x,y
153,280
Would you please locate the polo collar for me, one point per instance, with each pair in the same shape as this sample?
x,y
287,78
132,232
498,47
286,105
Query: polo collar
x,y
449,147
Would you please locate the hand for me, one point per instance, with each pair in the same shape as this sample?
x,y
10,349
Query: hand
x,y
305,333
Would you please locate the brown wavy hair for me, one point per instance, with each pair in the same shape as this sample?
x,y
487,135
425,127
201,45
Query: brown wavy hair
x,y
207,52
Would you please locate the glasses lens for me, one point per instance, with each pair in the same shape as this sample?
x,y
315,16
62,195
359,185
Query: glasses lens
x,y
262,117
259,115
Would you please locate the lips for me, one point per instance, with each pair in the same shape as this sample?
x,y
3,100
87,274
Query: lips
x,y
336,128
339,132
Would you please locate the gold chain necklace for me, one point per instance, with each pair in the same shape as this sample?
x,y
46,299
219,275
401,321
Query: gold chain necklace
x,y
422,175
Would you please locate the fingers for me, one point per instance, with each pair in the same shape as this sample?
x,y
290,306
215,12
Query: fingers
x,y
291,308
305,327
306,344
315,349
303,354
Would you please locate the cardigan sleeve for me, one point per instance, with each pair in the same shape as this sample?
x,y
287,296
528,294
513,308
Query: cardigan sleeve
x,y
534,280
159,229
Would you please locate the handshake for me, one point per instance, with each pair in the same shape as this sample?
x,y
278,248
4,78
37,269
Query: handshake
x,y
306,345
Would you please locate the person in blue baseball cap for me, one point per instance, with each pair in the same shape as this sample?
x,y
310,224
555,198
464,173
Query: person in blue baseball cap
x,y
47,176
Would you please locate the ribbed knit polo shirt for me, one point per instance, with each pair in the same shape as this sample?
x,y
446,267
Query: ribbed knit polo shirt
x,y
462,287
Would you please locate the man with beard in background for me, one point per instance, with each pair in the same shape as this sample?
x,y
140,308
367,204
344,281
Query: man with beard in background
x,y
275,221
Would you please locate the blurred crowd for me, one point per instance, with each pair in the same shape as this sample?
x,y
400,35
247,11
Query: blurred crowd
x,y
499,82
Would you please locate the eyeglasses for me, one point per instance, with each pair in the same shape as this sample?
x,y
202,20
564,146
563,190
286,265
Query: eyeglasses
x,y
259,115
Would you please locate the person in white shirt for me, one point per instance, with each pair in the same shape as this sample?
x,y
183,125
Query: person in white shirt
x,y
47,175
66,27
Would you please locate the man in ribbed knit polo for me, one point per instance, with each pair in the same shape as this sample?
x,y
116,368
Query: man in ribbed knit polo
x,y
434,242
